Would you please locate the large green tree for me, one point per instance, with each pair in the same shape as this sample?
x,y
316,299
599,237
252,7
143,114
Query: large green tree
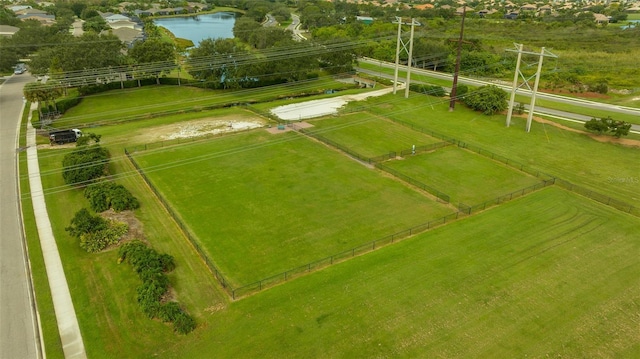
x,y
222,63
153,57
488,99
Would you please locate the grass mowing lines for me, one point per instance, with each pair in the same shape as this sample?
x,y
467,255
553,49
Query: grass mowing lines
x,y
261,204
465,176
369,135
602,167
148,100
550,274
104,293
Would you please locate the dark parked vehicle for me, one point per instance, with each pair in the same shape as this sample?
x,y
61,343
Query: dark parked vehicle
x,y
64,136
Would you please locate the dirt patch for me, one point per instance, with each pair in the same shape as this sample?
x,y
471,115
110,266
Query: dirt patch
x,y
288,127
600,138
200,127
56,146
136,230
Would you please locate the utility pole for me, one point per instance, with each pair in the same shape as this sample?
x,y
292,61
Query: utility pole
x,y
409,51
454,86
543,53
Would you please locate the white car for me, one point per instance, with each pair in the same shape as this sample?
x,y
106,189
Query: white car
x,y
19,69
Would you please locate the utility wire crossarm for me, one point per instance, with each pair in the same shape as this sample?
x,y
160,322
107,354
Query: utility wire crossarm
x,y
542,54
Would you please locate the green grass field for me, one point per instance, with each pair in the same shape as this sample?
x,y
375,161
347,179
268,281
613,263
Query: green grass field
x,y
261,204
370,135
560,280
603,167
465,176
149,101
551,274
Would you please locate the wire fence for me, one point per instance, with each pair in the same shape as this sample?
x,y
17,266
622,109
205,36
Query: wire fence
x,y
216,272
615,203
463,209
443,197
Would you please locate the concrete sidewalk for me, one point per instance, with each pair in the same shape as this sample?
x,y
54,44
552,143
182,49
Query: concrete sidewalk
x,y
70,335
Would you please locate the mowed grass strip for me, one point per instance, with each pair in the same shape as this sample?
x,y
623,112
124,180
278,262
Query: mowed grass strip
x,y
104,293
121,105
606,168
465,176
550,274
370,135
261,204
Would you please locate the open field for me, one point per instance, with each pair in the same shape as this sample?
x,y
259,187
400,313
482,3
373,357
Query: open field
x,y
603,167
151,101
561,280
370,135
465,176
261,204
550,274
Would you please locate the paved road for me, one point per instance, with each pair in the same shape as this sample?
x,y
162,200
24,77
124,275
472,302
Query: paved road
x,y
540,95
538,110
19,336
294,27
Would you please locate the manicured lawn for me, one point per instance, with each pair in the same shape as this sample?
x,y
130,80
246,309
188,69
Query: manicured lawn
x,y
261,204
603,167
103,291
551,274
151,101
465,176
370,135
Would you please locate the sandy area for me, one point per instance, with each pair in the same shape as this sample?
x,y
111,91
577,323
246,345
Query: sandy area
x,y
323,107
201,127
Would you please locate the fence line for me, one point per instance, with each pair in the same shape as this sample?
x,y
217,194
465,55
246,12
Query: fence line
x,y
216,272
440,195
373,245
617,204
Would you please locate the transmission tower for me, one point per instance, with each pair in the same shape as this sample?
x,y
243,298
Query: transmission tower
x,y
542,54
400,43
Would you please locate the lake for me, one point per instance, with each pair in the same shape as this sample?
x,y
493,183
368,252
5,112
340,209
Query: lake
x,y
200,27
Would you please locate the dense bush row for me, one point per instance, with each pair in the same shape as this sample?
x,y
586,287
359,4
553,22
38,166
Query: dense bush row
x,y
604,125
94,232
489,99
85,164
152,268
104,195
432,90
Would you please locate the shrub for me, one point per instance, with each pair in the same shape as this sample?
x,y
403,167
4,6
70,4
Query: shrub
x,y
85,164
488,99
184,323
93,242
104,195
94,232
151,268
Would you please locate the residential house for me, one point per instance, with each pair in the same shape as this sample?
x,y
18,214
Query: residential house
x,y
8,30
127,35
601,18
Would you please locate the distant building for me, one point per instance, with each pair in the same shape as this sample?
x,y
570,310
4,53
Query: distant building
x,y
8,31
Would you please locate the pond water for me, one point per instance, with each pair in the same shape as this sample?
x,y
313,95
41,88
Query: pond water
x,y
631,23
200,27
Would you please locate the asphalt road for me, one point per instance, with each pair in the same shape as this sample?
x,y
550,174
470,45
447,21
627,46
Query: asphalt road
x,y
19,336
540,95
543,110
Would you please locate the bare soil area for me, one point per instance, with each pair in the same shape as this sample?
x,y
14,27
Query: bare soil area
x,y
600,138
201,127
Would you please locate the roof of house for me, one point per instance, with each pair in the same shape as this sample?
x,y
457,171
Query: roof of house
x,y
423,6
601,18
125,34
8,30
